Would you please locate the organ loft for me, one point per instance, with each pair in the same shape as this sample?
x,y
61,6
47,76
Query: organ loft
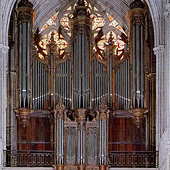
x,y
85,88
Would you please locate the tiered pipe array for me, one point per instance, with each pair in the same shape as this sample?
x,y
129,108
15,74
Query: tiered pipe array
x,y
122,86
137,53
99,84
59,125
24,40
92,130
64,83
81,52
40,85
81,136
103,114
70,142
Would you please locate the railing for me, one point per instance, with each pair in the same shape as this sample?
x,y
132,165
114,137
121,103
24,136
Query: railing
x,y
28,158
46,159
133,159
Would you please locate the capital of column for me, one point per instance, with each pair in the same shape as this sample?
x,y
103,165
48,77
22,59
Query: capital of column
x,y
4,47
25,10
137,12
167,13
60,109
159,50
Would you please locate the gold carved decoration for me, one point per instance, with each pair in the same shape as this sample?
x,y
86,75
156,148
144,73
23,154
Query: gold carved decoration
x,y
138,115
24,115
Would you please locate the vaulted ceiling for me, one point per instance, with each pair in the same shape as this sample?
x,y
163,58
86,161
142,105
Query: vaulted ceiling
x,y
47,8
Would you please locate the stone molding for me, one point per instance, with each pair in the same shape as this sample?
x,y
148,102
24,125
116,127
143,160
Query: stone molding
x,y
167,13
4,47
159,50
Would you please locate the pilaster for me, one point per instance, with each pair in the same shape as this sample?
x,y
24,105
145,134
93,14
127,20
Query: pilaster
x,y
3,99
160,114
166,68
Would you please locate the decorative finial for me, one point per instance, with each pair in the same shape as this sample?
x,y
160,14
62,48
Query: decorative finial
x,y
25,3
60,105
110,38
103,105
52,37
81,3
137,4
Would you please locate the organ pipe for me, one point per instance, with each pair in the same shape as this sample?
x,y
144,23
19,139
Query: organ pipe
x,y
137,18
122,86
24,29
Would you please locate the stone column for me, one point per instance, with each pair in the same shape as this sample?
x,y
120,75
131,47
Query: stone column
x,y
167,70
160,112
3,99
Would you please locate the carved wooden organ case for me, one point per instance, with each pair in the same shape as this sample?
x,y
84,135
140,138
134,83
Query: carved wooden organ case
x,y
89,94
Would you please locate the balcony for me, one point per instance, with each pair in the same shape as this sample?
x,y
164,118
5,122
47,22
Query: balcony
x,y
28,158
122,159
117,159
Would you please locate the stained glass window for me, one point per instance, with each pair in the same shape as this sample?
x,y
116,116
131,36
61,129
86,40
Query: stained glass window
x,y
50,22
98,22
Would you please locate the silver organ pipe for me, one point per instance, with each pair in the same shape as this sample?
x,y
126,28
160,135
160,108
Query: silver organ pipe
x,y
99,83
81,71
40,85
111,80
138,65
28,64
24,64
122,86
52,81
142,68
24,29
134,68
64,83
20,66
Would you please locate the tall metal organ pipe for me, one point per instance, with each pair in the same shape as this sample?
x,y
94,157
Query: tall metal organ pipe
x,y
64,83
122,86
81,71
25,13
137,18
99,83
40,85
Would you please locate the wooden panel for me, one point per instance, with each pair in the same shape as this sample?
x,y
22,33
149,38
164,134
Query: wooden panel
x,y
125,136
36,135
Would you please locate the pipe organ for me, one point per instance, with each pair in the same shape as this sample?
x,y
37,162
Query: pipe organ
x,y
122,86
79,90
